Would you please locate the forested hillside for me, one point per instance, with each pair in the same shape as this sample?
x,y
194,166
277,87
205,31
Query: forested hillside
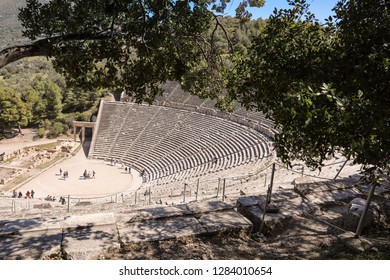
x,y
10,32
240,34
32,93
10,27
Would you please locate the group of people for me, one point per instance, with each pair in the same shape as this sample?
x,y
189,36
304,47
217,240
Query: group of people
x,y
128,169
65,174
29,194
50,198
87,174
53,198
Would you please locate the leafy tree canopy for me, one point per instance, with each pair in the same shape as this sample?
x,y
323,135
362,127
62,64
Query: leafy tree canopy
x,y
13,111
326,86
129,44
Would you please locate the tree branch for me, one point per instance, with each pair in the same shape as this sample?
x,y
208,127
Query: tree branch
x,y
15,53
38,48
218,23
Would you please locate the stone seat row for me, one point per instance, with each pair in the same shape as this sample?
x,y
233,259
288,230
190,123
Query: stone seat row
x,y
164,141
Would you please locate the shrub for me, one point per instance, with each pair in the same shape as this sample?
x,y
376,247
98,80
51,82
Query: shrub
x,y
83,117
56,130
47,124
41,132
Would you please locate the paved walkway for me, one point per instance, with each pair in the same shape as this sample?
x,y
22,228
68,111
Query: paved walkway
x,y
19,142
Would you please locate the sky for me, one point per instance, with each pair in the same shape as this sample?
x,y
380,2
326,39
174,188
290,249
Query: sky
x,y
321,8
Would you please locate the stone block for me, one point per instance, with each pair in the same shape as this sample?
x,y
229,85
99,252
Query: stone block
x,y
282,195
83,243
385,208
330,196
255,215
358,245
155,213
161,229
208,206
29,225
221,221
355,210
31,245
88,220
246,201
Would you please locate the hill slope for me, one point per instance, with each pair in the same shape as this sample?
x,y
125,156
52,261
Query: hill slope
x,y
10,27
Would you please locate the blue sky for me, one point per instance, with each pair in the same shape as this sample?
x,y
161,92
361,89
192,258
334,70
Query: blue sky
x,y
321,8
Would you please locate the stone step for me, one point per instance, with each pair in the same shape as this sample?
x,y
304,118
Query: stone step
x,y
87,236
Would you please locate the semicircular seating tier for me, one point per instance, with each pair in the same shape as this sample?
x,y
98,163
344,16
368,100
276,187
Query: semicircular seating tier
x,y
174,97
170,144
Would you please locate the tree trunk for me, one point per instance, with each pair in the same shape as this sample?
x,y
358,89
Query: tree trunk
x,y
20,130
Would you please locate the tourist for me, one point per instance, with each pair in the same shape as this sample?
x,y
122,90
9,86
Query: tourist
x,y
62,200
20,195
14,193
50,198
32,193
28,194
93,174
60,172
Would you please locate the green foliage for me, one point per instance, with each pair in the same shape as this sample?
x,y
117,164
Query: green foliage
x,y
134,45
54,128
78,100
326,86
57,129
83,117
44,93
14,113
45,123
41,132
99,45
